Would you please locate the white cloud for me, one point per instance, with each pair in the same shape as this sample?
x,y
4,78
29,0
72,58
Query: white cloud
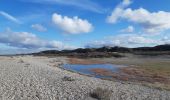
x,y
73,25
29,41
39,27
129,29
9,17
115,15
126,2
129,40
60,45
151,22
117,12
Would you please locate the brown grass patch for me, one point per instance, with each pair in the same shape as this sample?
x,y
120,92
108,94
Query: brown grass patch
x,y
84,61
137,74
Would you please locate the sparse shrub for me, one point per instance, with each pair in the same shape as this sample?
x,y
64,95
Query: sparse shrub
x,y
67,78
55,65
21,61
101,94
26,65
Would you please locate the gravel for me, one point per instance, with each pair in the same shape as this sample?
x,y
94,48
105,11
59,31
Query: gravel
x,y
41,78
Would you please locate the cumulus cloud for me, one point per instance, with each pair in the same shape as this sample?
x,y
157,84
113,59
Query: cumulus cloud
x,y
151,22
129,40
129,29
39,27
9,17
73,25
29,41
117,12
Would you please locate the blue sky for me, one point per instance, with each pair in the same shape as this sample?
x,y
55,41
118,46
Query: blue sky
x,y
34,25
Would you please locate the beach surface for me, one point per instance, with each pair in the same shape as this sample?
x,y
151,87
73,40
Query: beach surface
x,y
43,78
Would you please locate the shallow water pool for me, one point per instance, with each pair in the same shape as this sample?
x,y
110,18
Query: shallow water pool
x,y
96,70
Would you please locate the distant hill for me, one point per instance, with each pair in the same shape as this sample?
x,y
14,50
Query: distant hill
x,y
156,48
109,51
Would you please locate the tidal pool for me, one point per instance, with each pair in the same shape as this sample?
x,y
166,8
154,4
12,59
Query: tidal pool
x,y
96,70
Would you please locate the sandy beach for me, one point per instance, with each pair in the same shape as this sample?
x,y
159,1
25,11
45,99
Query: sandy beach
x,y
41,78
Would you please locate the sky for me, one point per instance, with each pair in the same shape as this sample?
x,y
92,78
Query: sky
x,y
35,25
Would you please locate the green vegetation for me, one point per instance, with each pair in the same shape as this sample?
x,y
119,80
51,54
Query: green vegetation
x,y
67,78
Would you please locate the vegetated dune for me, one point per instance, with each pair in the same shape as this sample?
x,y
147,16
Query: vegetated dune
x,y
41,78
116,52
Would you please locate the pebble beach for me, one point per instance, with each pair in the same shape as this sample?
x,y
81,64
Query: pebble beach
x,y
42,78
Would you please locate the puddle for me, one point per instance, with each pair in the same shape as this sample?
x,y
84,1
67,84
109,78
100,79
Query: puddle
x,y
96,70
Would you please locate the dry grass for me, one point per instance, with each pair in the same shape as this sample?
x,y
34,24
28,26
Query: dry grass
x,y
84,61
101,94
21,61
